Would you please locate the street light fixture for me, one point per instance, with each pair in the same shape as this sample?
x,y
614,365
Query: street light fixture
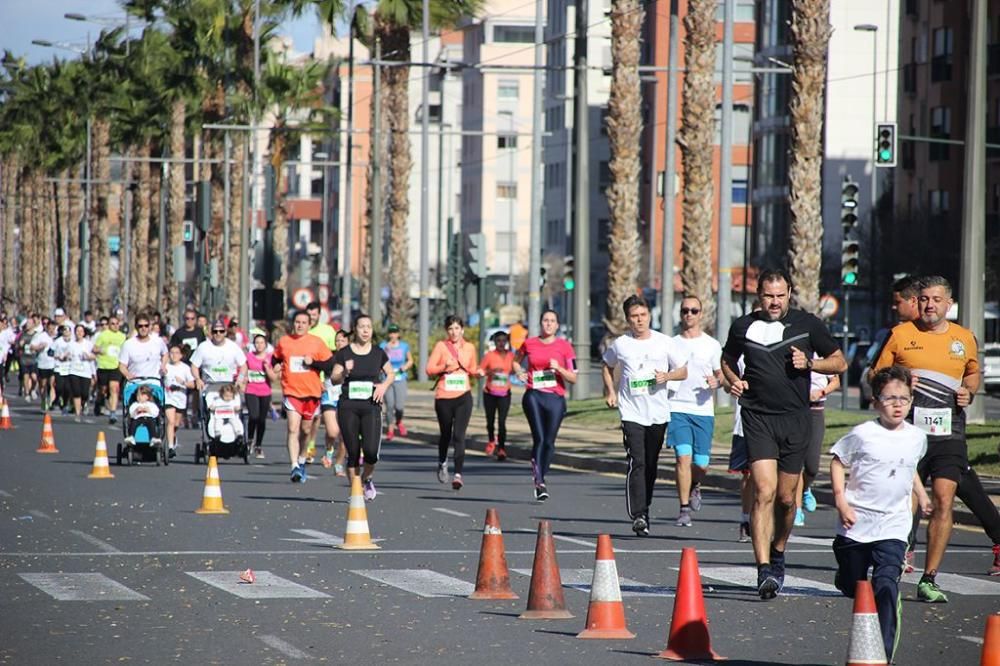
x,y
76,48
101,20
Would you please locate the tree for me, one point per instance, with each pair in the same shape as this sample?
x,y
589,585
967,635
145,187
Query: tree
x,y
624,130
696,140
811,36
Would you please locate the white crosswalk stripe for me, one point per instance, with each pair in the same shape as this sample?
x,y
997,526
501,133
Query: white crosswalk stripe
x,y
746,577
81,587
267,585
422,582
580,579
317,537
959,584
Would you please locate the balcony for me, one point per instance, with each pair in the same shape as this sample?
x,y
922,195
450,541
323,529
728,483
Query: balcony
x,y
910,78
941,68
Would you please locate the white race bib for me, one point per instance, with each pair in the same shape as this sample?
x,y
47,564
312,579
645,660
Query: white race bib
x,y
297,364
77,367
498,380
642,384
224,411
191,343
456,381
112,351
543,379
256,376
933,421
400,376
360,390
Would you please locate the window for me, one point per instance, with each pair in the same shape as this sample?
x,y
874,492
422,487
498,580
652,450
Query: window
x,y
943,42
743,13
941,62
938,201
506,190
742,62
741,124
940,128
434,114
507,89
507,141
514,34
741,178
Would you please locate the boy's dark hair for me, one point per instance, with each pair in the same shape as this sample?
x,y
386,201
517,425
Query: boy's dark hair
x,y
908,286
886,375
633,301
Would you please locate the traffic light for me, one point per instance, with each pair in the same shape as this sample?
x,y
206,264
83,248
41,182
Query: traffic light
x,y
569,283
188,231
269,199
477,255
543,269
885,145
848,205
203,206
849,253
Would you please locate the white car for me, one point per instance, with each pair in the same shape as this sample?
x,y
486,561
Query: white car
x,y
991,367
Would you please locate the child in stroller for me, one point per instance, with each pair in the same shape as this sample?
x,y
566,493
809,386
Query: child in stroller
x,y
144,413
224,423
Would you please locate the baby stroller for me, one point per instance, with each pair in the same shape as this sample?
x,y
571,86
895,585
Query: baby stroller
x,y
229,440
146,443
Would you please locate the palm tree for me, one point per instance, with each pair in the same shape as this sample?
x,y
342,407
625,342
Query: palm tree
x,y
696,140
624,130
811,36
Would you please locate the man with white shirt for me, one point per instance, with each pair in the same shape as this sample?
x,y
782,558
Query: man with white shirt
x,y
41,346
144,355
692,407
645,360
8,335
218,359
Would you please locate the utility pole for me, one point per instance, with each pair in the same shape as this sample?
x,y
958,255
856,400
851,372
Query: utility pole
x,y
375,271
345,294
723,315
581,229
423,315
244,266
535,242
85,236
670,173
161,260
973,272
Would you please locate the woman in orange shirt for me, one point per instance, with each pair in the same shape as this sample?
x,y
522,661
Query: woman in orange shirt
x,y
497,367
453,363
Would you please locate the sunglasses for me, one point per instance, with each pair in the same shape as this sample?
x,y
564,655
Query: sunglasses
x,y
188,318
142,325
685,311
218,330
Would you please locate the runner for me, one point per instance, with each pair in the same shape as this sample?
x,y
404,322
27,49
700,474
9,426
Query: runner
x,y
645,361
777,344
692,407
28,370
496,367
178,380
260,374
336,452
365,374
142,355
301,358
81,369
188,336
399,355
218,359
328,335
8,336
452,362
943,358
551,363
820,386
41,345
107,346
60,347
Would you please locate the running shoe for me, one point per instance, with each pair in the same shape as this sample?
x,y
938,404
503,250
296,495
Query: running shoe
x,y
808,500
684,519
695,499
777,569
767,584
744,533
401,428
541,492
339,470
390,434
456,482
130,441
443,472
258,453
927,590
995,569
369,491
328,459
298,474
311,453
640,526
800,518
173,452
501,454
910,557
491,446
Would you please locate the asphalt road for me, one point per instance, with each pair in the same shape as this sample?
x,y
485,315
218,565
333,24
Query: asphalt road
x,y
123,570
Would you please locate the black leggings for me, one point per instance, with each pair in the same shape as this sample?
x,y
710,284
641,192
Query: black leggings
x,y
493,404
453,416
259,406
360,428
544,412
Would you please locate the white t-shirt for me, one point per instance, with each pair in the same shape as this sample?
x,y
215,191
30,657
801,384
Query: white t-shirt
x,y
818,382
143,358
7,337
640,399
704,358
175,380
60,348
741,365
79,364
218,363
881,463
143,410
42,345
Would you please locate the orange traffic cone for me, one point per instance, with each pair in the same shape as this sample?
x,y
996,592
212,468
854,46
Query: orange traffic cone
x,y
101,469
991,642
865,647
211,499
493,577
545,598
357,536
48,444
606,613
5,423
688,639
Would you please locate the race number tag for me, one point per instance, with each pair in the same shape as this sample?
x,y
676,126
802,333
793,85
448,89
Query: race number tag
x,y
456,381
191,343
933,421
222,371
641,384
297,364
112,351
360,390
224,411
400,376
256,376
498,380
543,379
79,367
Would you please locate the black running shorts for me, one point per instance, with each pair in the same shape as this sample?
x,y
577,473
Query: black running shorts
x,y
781,437
945,459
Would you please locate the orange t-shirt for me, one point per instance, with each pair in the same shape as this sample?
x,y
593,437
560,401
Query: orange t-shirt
x,y
498,368
518,334
455,381
298,380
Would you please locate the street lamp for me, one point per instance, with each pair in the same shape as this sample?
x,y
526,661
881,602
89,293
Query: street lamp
x,y
66,46
100,20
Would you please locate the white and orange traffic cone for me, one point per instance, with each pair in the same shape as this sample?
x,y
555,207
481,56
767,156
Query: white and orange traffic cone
x,y
48,444
606,613
101,468
493,576
5,423
866,647
991,642
211,500
357,536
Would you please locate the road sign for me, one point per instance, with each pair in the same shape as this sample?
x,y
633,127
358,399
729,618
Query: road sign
x,y
829,306
303,297
324,294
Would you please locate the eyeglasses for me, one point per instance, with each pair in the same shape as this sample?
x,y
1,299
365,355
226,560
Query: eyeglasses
x,y
142,325
188,318
218,330
685,311
895,399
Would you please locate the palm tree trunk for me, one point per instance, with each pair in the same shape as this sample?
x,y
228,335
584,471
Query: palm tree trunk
x,y
140,237
624,132
11,170
236,221
72,282
63,224
696,139
46,203
811,36
278,147
175,228
156,244
126,211
100,300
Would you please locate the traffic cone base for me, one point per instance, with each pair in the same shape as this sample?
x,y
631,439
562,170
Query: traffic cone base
x,y
101,469
991,642
606,613
48,444
493,576
211,501
688,639
357,535
545,598
865,647
5,423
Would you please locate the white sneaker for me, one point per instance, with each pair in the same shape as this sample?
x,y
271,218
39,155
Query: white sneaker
x,y
130,441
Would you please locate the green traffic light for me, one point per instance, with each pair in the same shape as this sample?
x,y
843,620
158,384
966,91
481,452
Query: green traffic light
x,y
850,278
885,155
569,284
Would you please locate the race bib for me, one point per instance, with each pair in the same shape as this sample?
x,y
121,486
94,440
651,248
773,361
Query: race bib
x,y
256,376
222,371
498,380
297,364
191,343
224,411
112,351
360,390
400,376
77,367
456,381
543,379
933,421
641,384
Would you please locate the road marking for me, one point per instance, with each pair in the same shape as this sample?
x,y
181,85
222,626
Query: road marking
x,y
81,587
267,586
811,541
4,493
94,541
451,512
958,584
580,579
39,514
422,582
284,647
318,538
579,542
972,639
746,577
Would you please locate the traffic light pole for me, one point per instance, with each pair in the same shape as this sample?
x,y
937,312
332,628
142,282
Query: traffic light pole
x,y
847,322
581,228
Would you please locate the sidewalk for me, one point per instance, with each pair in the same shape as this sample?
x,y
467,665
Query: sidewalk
x,y
601,450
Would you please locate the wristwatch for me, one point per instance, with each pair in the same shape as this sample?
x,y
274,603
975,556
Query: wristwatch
x,y
809,364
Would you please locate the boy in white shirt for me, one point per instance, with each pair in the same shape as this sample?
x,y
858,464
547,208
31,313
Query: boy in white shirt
x,y
874,504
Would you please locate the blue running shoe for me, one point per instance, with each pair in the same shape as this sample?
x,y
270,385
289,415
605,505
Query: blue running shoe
x,y
298,474
808,500
800,518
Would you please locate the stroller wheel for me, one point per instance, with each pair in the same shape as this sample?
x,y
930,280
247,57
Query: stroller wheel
x,y
118,455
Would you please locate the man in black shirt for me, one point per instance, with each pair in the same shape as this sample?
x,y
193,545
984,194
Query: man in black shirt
x,y
188,336
778,346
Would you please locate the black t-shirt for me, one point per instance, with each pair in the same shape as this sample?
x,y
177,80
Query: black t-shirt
x,y
188,341
766,346
367,372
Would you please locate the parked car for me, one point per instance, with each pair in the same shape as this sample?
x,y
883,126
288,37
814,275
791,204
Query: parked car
x,y
991,367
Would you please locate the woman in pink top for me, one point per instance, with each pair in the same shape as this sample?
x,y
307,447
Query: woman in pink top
x,y
260,374
496,368
545,363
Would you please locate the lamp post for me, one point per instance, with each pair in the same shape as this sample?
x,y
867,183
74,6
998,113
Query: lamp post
x,y
324,267
99,20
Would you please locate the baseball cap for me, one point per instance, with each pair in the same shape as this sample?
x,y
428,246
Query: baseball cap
x,y
393,328
59,313
218,323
